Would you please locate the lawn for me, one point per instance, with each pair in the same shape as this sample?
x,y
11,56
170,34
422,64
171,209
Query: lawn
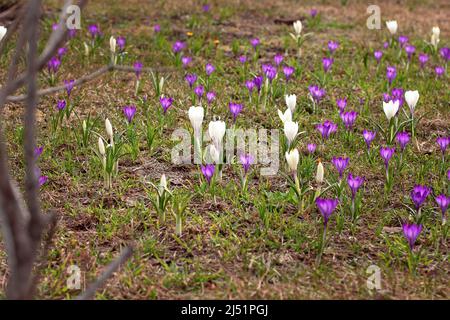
x,y
228,230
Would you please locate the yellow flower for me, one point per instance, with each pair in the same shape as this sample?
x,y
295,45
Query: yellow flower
x,y
189,34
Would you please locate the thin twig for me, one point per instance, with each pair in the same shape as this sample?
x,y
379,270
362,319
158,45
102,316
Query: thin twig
x,y
112,267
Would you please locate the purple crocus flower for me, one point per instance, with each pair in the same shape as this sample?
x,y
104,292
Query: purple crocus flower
x,y
246,161
53,65
403,139
94,30
327,63
326,128
385,45
313,13
270,71
258,81
340,164
208,172
326,208
332,46
369,136
38,151
397,94
235,109
411,232
341,104
129,112
255,42
316,93
156,28
72,33
402,40
199,91
443,202
191,78
166,103
278,59
61,105
443,143
445,53
121,42
349,118
250,84
138,68
378,55
69,84
410,49
311,148
423,58
42,180
391,73
419,194
354,182
178,46
243,59
210,96
386,154
288,71
209,69
439,71
55,26
205,7
185,60
62,51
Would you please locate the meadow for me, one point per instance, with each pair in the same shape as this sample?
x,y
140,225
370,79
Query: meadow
x,y
243,149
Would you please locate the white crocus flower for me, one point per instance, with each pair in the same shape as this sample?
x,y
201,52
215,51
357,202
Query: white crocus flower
x,y
390,108
411,98
101,146
291,102
216,130
112,44
290,130
214,154
109,129
298,27
435,36
286,116
196,117
3,31
292,158
392,26
320,173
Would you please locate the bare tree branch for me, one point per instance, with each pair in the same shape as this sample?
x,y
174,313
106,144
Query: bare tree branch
x,y
112,267
80,81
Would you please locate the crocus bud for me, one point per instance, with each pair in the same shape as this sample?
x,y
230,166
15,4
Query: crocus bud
x,y
84,125
436,31
161,84
196,117
290,130
86,49
286,116
163,182
292,158
3,31
298,27
101,146
291,101
320,173
216,130
392,26
411,98
109,129
435,36
112,44
390,108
